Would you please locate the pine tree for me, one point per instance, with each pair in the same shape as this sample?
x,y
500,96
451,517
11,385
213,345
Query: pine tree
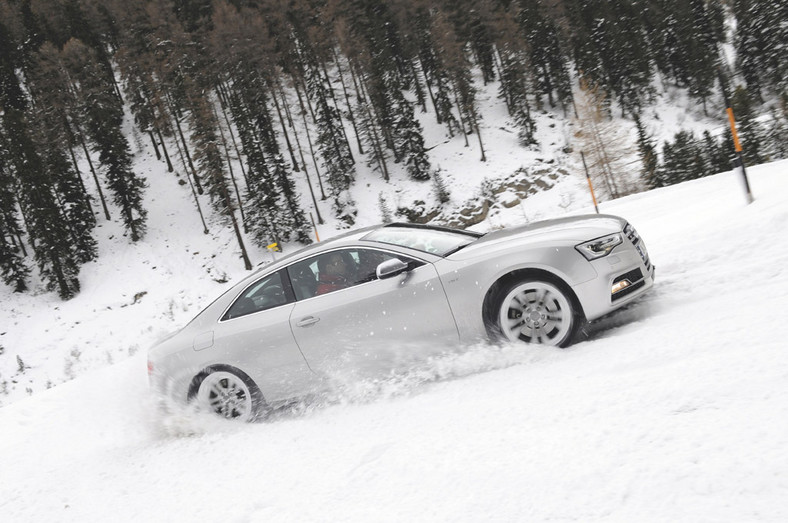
x,y
442,191
610,44
702,51
49,126
586,21
776,143
458,67
435,74
288,212
11,93
371,134
13,269
57,261
408,139
648,156
715,157
260,195
104,117
547,58
385,211
335,151
516,78
762,44
682,159
684,37
480,38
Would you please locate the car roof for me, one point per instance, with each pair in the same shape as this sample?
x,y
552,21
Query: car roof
x,y
349,238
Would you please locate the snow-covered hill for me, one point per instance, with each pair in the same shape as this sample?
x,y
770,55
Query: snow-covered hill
x,y
675,409
135,293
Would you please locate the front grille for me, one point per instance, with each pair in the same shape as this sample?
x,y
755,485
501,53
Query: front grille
x,y
639,245
633,276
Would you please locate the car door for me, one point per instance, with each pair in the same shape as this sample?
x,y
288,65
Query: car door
x,y
254,334
371,325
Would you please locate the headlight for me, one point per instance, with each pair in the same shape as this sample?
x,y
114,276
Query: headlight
x,y
599,247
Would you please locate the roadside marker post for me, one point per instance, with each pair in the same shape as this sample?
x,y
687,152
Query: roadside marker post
x,y
739,162
588,178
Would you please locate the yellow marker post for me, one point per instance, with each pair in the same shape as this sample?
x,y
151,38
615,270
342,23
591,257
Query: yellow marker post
x,y
588,178
317,237
732,122
272,248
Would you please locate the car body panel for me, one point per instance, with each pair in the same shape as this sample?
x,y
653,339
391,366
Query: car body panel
x,y
356,325
262,345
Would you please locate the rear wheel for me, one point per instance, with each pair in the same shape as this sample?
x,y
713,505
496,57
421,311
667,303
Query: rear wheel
x,y
230,395
536,311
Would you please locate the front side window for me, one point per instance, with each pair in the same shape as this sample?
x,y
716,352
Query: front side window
x,y
337,270
264,294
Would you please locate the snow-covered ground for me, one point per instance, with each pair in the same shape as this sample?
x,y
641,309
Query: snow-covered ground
x,y
675,409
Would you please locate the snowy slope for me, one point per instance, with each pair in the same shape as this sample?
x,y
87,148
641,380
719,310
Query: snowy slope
x,y
675,409
133,294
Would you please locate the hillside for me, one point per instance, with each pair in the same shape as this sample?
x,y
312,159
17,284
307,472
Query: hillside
x,y
249,112
135,292
675,409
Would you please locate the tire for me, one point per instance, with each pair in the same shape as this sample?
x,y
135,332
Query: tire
x,y
535,311
229,393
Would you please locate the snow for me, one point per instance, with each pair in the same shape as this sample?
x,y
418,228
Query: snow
x,y
674,409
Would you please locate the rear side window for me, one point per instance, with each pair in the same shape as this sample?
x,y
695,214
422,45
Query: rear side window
x,y
266,293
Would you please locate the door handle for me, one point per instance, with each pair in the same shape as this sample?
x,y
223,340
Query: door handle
x,y
306,322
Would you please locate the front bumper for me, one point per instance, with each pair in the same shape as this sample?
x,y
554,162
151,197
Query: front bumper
x,y
629,262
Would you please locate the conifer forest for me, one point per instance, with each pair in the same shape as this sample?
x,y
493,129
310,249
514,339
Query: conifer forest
x,y
272,82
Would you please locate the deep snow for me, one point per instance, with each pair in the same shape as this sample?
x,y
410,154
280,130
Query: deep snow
x,y
675,409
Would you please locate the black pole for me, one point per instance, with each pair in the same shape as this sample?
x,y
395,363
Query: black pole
x,y
737,145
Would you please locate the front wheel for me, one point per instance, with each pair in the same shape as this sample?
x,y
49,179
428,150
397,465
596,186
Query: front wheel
x,y
230,395
536,311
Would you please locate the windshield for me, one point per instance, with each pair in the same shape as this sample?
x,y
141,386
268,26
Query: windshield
x,y
441,242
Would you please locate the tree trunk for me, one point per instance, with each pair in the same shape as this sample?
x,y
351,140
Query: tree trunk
x,y
432,96
308,137
155,145
459,111
95,177
420,98
191,185
300,152
229,164
79,176
186,149
475,124
339,112
164,148
223,96
284,128
347,100
239,237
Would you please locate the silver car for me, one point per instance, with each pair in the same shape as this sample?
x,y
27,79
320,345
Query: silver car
x,y
281,332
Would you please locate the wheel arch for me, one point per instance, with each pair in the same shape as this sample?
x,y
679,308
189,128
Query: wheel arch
x,y
198,378
533,273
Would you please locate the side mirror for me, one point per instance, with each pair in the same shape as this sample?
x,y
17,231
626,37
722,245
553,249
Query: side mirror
x,y
390,268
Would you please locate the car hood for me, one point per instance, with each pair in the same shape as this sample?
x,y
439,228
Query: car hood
x,y
570,229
